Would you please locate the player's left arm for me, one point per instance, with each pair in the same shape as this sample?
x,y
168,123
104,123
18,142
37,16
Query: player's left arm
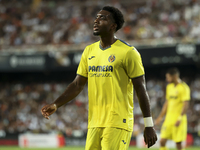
x,y
185,107
185,96
184,111
134,68
139,84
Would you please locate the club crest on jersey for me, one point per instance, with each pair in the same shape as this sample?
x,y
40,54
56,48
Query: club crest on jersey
x,y
111,58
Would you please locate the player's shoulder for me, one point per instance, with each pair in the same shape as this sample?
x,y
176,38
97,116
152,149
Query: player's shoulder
x,y
129,50
170,85
126,45
184,85
95,44
89,48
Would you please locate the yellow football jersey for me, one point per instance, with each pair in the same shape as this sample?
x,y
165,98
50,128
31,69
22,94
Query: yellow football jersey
x,y
110,90
175,96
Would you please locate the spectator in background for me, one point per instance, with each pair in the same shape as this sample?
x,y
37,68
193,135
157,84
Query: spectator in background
x,y
62,22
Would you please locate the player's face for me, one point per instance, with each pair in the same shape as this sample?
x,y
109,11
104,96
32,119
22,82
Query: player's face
x,y
169,78
103,23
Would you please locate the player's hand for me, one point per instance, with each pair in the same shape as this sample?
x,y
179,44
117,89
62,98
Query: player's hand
x,y
48,110
177,123
150,136
158,120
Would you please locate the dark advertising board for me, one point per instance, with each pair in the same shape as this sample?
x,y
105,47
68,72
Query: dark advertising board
x,y
182,54
16,62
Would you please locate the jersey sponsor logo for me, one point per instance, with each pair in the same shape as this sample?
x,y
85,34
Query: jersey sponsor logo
x,y
111,58
100,71
91,57
100,75
100,68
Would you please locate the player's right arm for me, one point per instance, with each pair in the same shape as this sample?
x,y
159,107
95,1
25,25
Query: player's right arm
x,y
162,113
72,90
70,93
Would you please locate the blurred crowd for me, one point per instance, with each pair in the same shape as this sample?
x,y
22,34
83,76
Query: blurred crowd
x,y
20,105
40,22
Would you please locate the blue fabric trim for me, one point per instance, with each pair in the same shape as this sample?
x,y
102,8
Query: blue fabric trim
x,y
113,43
137,76
125,43
82,75
102,47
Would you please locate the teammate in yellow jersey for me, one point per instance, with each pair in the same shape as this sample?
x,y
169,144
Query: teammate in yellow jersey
x,y
112,68
175,108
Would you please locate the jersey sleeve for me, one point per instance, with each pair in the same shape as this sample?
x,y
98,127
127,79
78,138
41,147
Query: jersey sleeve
x,y
133,64
185,93
83,65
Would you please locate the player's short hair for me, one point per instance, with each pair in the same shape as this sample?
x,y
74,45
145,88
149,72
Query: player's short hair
x,y
117,16
173,71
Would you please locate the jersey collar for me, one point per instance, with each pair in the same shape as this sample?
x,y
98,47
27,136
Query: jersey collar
x,y
107,46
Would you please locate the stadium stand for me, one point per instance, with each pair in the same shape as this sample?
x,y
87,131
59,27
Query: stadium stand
x,y
67,22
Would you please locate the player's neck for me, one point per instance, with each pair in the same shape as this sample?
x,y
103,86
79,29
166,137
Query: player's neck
x,y
107,41
177,81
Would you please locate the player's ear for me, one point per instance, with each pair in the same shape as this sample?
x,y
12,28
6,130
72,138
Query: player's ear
x,y
114,26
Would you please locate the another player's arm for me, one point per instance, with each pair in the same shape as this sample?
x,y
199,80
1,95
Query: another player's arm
x,y
162,113
150,136
185,107
184,111
185,96
70,93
